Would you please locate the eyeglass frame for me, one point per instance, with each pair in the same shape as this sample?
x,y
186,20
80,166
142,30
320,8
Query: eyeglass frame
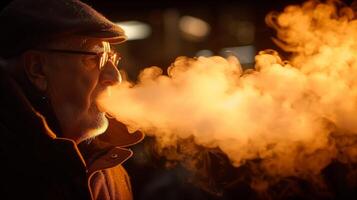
x,y
102,61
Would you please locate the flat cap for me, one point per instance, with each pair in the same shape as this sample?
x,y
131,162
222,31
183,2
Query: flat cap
x,y
28,23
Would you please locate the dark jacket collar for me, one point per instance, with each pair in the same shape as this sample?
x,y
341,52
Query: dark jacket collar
x,y
101,155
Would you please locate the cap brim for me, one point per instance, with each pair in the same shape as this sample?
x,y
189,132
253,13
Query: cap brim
x,y
112,37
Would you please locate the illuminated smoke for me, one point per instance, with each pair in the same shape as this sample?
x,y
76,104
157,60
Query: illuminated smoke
x,y
294,116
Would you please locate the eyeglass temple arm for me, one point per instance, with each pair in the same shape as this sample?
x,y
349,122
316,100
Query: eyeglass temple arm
x,y
69,51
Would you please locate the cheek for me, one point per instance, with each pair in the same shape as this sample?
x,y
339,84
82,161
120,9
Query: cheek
x,y
87,85
73,86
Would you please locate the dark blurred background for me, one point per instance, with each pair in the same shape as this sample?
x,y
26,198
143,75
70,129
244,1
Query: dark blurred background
x,y
188,28
163,30
168,29
159,31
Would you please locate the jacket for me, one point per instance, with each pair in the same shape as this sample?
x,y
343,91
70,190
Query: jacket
x,y
36,164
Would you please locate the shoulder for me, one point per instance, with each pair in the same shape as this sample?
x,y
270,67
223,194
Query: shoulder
x,y
117,176
111,183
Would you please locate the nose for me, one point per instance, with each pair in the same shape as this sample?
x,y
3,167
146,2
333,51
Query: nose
x,y
109,75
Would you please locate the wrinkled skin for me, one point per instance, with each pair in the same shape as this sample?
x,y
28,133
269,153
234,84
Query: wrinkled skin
x,y
72,83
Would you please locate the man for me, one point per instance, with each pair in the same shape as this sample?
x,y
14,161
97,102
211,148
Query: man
x,y
56,59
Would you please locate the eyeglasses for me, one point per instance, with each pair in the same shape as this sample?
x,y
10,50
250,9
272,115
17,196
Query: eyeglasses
x,y
103,57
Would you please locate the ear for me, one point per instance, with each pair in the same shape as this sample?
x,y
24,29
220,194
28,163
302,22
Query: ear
x,y
34,68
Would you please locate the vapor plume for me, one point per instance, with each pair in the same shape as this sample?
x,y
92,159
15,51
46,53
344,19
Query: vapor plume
x,y
295,115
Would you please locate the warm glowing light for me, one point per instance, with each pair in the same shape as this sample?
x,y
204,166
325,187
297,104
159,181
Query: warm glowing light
x,y
204,52
245,54
135,30
194,26
282,113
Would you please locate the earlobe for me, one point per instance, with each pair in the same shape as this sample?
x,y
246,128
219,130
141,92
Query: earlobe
x,y
41,84
34,69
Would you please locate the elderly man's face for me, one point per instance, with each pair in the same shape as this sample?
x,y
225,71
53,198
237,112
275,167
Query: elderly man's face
x,y
74,82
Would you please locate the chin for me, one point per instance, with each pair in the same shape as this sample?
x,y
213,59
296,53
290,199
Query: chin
x,y
97,126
